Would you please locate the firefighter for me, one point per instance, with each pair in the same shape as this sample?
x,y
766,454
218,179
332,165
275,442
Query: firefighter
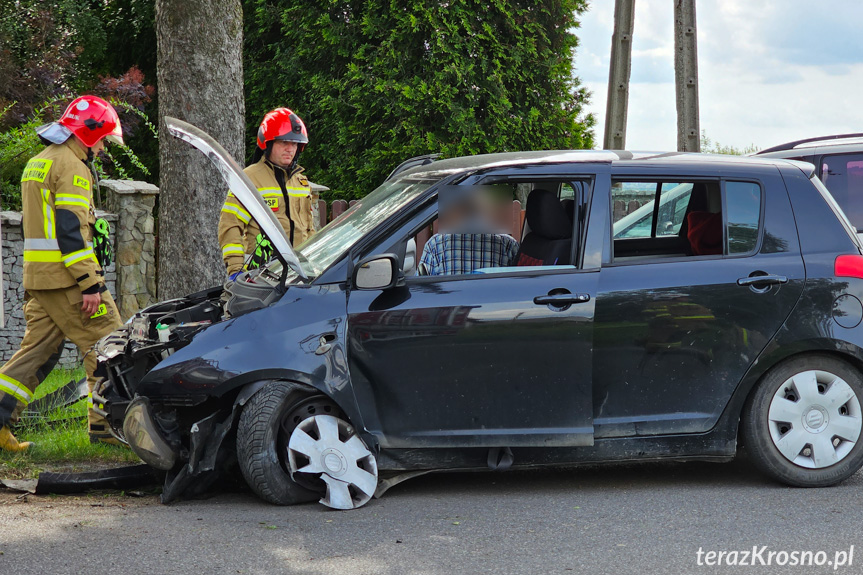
x,y
65,295
282,136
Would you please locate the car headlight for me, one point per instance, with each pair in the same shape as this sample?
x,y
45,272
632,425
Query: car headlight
x,y
144,436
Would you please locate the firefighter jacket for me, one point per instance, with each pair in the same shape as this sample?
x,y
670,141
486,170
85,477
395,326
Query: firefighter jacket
x,y
289,196
58,219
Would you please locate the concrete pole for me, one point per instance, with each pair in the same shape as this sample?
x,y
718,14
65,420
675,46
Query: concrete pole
x,y
618,76
686,76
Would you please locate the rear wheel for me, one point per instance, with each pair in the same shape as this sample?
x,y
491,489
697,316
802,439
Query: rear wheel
x,y
803,423
263,434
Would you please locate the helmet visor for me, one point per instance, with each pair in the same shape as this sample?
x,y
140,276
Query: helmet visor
x,y
53,133
116,135
297,137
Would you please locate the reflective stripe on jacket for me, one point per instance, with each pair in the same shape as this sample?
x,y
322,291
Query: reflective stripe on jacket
x,y
238,231
58,215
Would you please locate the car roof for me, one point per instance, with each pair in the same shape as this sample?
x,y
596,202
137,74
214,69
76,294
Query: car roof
x,y
853,140
442,168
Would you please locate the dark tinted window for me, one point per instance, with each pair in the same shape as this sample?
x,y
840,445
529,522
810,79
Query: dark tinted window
x,y
743,202
843,176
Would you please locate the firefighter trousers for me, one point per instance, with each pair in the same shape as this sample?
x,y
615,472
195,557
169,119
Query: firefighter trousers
x,y
52,317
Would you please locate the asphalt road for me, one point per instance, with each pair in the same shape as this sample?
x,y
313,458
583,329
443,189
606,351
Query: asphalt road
x,y
635,519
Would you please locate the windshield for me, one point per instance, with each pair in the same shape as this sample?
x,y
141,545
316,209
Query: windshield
x,y
325,247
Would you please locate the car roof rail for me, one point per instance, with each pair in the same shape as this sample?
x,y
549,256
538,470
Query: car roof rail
x,y
412,163
794,144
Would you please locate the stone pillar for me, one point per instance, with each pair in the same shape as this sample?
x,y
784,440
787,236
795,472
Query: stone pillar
x,y
133,202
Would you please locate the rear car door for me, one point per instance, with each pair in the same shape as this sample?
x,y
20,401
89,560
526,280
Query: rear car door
x,y
680,316
494,359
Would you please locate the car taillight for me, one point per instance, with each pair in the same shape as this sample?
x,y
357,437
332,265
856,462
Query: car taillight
x,y
848,266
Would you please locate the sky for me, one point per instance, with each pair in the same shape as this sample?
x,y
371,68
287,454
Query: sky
x,y
770,71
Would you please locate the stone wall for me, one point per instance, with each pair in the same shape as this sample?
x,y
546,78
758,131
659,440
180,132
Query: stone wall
x,y
131,279
13,290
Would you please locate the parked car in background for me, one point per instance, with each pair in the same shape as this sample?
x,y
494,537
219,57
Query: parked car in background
x,y
838,162
336,370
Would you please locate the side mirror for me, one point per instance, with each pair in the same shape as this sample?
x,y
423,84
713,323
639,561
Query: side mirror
x,y
378,272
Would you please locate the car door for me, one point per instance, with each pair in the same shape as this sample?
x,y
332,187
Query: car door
x,y
675,331
497,359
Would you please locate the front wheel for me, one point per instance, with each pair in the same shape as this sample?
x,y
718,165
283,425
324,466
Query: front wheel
x,y
263,433
803,423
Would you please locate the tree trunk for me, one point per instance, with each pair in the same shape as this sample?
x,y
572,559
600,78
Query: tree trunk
x,y
200,78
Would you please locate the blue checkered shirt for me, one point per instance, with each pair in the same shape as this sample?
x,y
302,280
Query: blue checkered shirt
x,y
450,254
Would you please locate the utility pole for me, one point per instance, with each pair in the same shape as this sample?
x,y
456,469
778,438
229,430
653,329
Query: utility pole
x,y
618,76
686,76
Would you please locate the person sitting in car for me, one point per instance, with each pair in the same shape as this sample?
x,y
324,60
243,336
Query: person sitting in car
x,y
472,234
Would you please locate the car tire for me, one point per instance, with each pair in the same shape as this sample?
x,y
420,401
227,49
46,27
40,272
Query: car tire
x,y
802,423
263,431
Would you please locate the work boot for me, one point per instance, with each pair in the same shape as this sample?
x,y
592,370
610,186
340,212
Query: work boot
x,y
99,434
107,439
9,443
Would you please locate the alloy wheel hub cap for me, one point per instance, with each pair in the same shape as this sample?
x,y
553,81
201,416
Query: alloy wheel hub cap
x,y
815,419
329,447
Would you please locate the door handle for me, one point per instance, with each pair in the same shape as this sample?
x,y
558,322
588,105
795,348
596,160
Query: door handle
x,y
764,280
561,299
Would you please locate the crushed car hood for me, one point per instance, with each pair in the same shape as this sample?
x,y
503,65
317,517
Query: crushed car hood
x,y
241,186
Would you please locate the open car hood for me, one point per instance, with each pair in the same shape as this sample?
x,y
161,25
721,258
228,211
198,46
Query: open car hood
x,y
241,186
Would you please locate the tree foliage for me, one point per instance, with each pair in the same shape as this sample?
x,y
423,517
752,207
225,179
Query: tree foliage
x,y
710,146
379,81
51,51
375,81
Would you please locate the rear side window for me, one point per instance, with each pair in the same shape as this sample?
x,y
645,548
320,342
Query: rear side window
x,y
743,204
678,218
842,174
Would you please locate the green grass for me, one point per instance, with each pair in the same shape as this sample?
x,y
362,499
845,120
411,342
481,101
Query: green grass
x,y
61,439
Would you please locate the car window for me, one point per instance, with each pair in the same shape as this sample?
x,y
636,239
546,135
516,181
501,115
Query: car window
x,y
743,203
662,219
842,174
542,233
834,207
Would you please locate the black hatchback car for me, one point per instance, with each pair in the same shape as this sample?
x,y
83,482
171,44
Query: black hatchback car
x,y
721,305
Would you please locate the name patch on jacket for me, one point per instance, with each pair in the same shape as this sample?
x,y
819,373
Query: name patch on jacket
x,y
36,170
81,183
100,312
273,203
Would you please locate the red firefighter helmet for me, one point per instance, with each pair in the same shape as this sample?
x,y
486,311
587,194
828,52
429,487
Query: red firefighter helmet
x,y
282,124
91,118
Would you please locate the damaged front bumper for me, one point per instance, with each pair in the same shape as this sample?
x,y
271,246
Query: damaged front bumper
x,y
174,434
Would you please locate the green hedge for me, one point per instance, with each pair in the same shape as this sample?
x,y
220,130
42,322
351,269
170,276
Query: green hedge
x,y
379,81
